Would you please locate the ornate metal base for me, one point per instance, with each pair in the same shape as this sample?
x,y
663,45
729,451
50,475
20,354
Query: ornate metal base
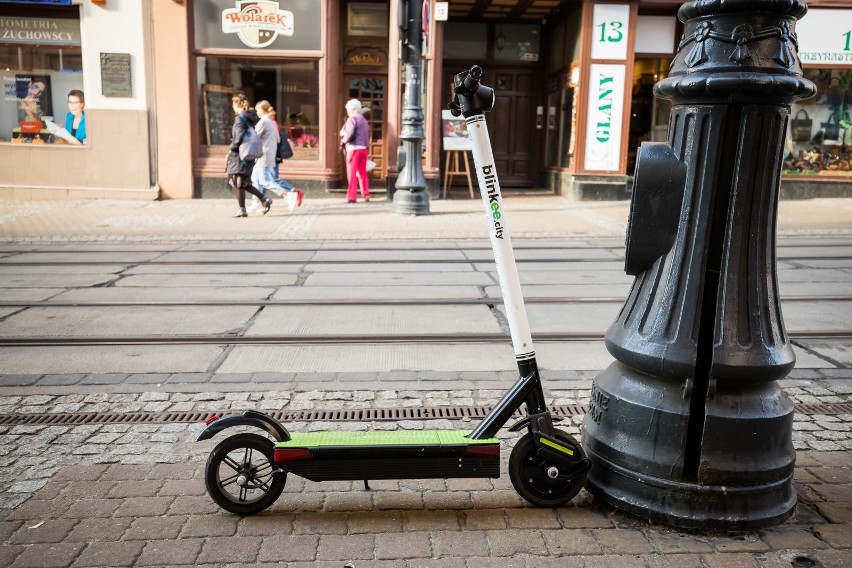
x,y
407,202
636,436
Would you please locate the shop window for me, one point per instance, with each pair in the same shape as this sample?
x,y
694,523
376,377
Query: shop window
x,y
517,42
43,100
292,87
649,115
466,41
819,137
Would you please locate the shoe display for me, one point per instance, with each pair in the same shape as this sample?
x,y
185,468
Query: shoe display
x,y
267,205
241,212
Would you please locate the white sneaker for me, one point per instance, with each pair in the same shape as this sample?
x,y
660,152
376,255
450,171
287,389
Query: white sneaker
x,y
256,206
291,200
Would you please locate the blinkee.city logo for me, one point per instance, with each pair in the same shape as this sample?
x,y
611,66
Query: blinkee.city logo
x,y
257,22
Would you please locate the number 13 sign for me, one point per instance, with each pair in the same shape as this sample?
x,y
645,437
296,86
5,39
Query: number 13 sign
x,y
611,23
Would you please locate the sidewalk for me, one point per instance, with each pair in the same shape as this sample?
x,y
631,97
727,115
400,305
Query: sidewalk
x,y
533,216
131,493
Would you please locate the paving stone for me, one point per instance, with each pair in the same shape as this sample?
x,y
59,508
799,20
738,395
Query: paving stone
x,y
265,524
141,488
488,562
459,543
48,530
56,555
529,518
437,563
210,525
836,512
403,545
88,508
288,548
9,552
671,542
182,487
571,542
155,528
321,523
89,530
672,560
610,560
782,538
838,536
38,509
229,549
345,548
398,500
743,543
376,522
170,552
481,519
730,560
172,471
834,475
512,542
144,506
110,554
622,541
80,472
337,501
431,520
583,518
832,558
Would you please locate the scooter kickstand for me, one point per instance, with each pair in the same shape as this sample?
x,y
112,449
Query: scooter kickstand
x,y
366,485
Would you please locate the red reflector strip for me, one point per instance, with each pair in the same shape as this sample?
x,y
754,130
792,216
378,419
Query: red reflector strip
x,y
294,454
483,451
211,419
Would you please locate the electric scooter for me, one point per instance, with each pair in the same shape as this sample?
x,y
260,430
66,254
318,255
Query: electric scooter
x,y
246,472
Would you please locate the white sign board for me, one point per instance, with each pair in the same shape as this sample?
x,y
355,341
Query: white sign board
x,y
455,132
603,124
610,26
825,36
442,11
655,34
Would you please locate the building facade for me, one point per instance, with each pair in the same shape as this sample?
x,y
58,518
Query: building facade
x,y
574,82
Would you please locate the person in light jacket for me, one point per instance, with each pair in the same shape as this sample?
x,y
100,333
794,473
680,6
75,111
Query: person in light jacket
x,y
264,176
238,170
355,138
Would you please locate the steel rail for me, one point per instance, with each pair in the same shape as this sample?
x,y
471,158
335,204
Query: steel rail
x,y
339,339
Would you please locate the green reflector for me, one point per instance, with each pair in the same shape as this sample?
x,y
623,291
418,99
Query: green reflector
x,y
557,447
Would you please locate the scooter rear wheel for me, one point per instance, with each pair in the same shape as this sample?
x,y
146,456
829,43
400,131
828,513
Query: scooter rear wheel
x,y
240,474
528,473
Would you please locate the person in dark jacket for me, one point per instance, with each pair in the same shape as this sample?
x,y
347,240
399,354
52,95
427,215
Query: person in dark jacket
x,y
239,171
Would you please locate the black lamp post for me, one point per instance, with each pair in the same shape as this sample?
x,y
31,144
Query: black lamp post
x,y
689,426
410,197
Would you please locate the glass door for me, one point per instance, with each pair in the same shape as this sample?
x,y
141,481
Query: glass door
x,y
370,90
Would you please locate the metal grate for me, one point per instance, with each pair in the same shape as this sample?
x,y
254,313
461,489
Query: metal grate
x,y
338,415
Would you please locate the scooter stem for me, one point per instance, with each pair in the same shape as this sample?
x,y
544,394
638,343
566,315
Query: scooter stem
x,y
472,100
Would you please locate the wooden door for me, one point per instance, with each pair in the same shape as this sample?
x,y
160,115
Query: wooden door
x,y
512,126
370,90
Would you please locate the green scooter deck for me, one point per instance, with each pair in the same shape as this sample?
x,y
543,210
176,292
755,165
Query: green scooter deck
x,y
399,454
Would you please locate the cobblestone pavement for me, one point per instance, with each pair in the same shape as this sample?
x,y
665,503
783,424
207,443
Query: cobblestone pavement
x,y
133,495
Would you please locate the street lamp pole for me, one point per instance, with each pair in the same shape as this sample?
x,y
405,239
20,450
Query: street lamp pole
x,y
410,197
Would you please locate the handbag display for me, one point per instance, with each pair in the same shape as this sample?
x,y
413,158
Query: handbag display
x,y
831,129
800,128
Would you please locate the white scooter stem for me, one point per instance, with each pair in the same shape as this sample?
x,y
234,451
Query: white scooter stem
x,y
501,243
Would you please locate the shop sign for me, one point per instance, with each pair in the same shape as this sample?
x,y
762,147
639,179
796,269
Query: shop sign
x,y
42,31
604,119
825,36
610,25
257,22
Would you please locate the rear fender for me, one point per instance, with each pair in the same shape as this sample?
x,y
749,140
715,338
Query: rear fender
x,y
247,418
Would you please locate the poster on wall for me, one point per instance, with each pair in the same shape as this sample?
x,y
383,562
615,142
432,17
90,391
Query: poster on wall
x,y
604,119
455,132
34,100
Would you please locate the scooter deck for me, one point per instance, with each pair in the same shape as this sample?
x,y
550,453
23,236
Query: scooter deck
x,y
399,454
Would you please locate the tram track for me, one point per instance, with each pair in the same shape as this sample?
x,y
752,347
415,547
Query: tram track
x,y
328,339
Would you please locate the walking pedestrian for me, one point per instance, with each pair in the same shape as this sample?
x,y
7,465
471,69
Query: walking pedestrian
x,y
355,138
239,170
265,173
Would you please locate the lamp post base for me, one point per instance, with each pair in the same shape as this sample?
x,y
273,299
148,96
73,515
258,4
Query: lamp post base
x,y
407,202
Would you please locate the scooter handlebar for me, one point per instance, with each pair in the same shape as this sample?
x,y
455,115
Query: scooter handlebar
x,y
470,96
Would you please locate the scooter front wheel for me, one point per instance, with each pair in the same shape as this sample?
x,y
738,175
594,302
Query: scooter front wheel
x,y
240,475
531,475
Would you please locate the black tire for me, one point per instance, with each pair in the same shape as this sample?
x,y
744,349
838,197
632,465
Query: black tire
x,y
528,473
250,456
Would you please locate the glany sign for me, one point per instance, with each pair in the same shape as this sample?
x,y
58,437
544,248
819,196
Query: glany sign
x,y
257,22
603,127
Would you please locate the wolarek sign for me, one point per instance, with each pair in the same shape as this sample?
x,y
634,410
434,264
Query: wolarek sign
x,y
257,22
